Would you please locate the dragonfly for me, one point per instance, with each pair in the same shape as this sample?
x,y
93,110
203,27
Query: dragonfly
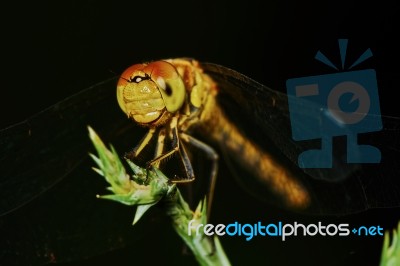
x,y
182,105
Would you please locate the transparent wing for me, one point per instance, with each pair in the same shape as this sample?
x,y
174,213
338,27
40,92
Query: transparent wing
x,y
48,208
37,153
263,115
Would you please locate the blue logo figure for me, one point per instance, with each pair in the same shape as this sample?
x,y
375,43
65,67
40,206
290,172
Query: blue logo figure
x,y
340,104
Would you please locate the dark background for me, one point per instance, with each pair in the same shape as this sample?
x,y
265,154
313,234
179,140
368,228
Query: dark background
x,y
53,49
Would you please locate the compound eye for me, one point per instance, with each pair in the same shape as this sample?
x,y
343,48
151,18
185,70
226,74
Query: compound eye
x,y
169,81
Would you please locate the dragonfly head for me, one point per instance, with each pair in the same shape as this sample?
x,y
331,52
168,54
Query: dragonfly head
x,y
150,93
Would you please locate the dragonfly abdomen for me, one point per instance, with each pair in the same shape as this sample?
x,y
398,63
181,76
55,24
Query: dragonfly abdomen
x,y
252,157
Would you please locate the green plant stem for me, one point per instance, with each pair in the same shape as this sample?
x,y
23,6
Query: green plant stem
x,y
145,189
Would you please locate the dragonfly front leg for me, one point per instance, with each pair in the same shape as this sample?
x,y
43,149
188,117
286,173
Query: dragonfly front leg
x,y
142,144
159,156
177,146
159,147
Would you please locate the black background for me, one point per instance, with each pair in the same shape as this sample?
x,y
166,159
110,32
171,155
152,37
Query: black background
x,y
53,49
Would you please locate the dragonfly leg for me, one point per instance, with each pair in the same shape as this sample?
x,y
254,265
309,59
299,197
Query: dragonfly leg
x,y
159,146
139,148
159,156
177,146
213,156
186,164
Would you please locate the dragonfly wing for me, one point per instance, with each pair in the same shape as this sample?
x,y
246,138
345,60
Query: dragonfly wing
x,y
255,106
48,208
39,152
263,115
